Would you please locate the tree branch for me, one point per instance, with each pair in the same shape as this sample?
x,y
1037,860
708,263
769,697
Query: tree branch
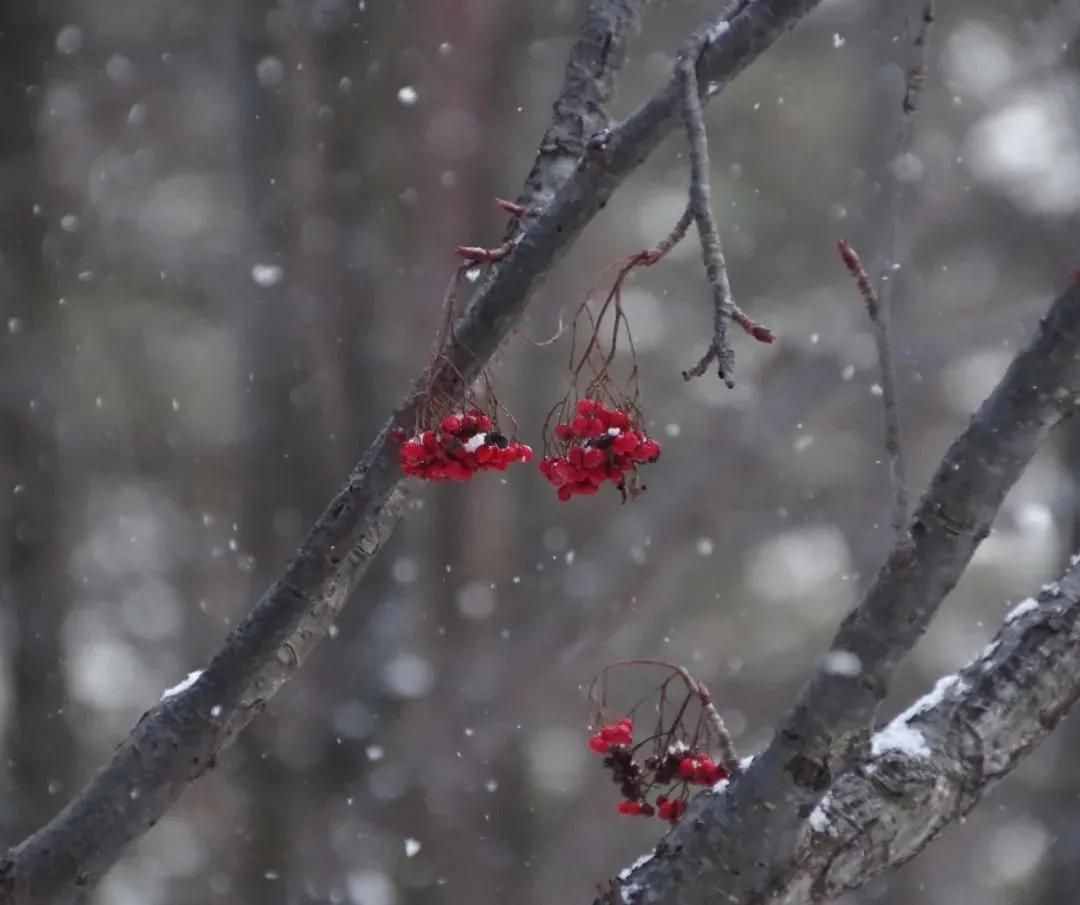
x,y
179,739
976,728
700,207
933,763
828,730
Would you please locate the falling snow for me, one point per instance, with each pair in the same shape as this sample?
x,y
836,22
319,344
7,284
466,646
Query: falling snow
x,y
267,275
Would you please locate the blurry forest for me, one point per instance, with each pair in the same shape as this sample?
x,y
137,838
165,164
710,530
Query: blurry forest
x,y
225,232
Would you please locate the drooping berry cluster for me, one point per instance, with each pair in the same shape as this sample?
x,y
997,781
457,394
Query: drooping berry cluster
x,y
598,444
462,445
674,770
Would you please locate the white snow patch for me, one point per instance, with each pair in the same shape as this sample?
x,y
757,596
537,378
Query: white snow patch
x,y
820,822
475,442
625,873
899,736
719,30
1024,606
932,698
180,687
412,847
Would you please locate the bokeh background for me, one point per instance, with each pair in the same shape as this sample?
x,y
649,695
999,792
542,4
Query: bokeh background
x,y
226,227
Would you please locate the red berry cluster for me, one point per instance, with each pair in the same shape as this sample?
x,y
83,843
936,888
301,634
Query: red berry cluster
x,y
676,768
461,446
701,770
614,735
599,444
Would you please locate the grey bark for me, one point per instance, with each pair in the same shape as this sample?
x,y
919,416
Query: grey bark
x,y
177,741
828,731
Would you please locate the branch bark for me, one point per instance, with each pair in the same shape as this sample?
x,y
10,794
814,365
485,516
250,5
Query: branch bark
x,y
178,740
828,730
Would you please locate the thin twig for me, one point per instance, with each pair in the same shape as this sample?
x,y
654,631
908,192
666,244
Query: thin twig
x,y
891,258
916,75
700,208
697,689
678,232
893,447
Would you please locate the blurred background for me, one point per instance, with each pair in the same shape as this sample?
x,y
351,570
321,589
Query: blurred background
x,y
226,227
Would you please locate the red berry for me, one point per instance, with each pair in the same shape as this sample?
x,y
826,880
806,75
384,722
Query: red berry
x,y
593,458
580,426
468,425
564,432
587,407
626,443
705,768
688,767
563,471
451,424
620,733
647,451
618,419
565,492
671,810
714,775
598,744
412,451
630,808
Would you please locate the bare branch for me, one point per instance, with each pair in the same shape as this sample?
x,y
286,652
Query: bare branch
x,y
180,738
893,447
742,846
916,74
700,207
